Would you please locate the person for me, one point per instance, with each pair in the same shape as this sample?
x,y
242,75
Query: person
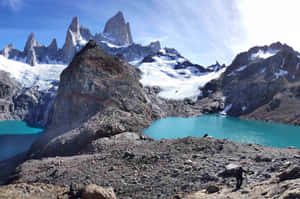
x,y
205,135
239,177
235,171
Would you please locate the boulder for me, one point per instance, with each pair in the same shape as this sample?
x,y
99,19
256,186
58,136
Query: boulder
x,y
98,96
291,174
93,191
212,189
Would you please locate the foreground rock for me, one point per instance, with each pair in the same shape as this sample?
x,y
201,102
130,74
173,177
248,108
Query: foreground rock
x,y
137,167
97,192
42,191
33,191
98,96
267,189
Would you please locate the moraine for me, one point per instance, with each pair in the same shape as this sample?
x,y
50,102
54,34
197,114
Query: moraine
x,y
225,127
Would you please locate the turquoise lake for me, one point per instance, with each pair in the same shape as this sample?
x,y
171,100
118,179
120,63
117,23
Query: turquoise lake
x,y
16,137
235,129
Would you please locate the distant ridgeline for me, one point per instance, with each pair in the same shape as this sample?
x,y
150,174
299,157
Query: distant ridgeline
x,y
115,39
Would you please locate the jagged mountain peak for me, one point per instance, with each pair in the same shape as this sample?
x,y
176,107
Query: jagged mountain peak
x,y
119,15
74,26
53,44
73,40
117,31
116,40
217,66
30,43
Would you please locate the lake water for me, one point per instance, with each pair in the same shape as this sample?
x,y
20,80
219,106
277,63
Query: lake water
x,y
16,137
235,129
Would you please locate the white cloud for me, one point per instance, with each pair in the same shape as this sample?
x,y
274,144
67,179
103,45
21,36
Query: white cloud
x,y
267,21
13,4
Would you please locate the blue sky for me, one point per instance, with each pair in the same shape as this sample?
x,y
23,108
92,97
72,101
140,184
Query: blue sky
x,y
202,30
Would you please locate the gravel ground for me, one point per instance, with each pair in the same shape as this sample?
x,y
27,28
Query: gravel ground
x,y
137,167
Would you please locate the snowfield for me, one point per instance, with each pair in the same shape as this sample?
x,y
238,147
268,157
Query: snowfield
x,y
264,54
175,84
41,75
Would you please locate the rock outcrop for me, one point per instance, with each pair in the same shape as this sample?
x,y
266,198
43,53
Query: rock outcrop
x,y
98,96
117,30
73,41
33,191
27,104
8,88
97,192
29,50
53,50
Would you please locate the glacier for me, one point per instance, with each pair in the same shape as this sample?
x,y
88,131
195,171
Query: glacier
x,y
41,76
175,84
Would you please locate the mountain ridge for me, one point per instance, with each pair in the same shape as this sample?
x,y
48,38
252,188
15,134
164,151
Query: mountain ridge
x,y
116,39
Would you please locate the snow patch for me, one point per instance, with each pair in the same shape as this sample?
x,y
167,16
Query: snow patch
x,y
262,70
244,108
241,68
113,45
226,109
283,62
281,73
231,74
40,75
264,54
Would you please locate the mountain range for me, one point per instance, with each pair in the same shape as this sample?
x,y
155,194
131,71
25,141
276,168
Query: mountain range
x,y
115,39
261,83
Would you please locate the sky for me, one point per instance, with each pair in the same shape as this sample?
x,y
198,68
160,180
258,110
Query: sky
x,y
205,31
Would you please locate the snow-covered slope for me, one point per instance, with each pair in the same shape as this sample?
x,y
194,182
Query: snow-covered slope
x,y
42,75
176,84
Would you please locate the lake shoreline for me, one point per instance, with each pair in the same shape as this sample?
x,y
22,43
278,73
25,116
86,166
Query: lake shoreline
x,y
226,127
176,162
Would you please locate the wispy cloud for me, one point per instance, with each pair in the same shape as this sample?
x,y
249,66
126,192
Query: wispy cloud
x,y
12,4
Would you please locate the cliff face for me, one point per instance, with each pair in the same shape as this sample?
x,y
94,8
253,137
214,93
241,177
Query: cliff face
x,y
98,96
30,105
263,83
117,30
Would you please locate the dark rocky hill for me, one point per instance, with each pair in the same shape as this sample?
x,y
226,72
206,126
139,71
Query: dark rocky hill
x,y
263,83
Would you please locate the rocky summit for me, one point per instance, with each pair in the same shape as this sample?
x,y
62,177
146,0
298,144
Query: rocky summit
x,y
118,31
262,84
